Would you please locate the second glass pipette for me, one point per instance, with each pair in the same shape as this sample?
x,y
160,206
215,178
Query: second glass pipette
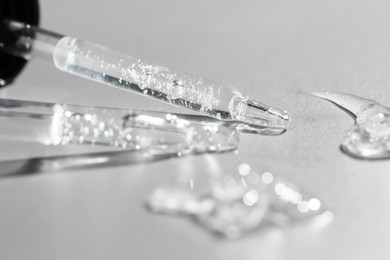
x,y
100,64
156,132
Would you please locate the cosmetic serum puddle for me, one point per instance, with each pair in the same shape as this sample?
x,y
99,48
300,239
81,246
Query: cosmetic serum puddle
x,y
369,138
237,204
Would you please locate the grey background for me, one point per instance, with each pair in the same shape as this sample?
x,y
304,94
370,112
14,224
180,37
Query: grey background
x,y
276,51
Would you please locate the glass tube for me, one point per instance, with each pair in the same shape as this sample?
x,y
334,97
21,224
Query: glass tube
x,y
116,69
63,124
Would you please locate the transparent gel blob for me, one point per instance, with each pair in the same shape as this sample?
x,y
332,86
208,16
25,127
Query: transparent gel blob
x,y
369,138
239,204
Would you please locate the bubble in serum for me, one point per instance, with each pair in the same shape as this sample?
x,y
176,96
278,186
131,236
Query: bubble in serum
x,y
176,90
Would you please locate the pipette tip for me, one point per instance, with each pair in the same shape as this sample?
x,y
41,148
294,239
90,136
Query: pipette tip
x,y
259,116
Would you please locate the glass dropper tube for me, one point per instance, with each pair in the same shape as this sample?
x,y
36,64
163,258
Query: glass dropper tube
x,y
157,132
100,64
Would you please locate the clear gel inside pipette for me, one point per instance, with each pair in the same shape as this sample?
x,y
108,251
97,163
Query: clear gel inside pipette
x,y
178,88
141,130
126,72
369,138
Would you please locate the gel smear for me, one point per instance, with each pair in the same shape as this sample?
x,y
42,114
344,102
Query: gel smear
x,y
369,138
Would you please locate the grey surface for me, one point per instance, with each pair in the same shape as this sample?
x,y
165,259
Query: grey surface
x,y
275,51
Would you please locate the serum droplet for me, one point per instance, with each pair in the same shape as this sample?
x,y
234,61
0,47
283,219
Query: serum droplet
x,y
369,138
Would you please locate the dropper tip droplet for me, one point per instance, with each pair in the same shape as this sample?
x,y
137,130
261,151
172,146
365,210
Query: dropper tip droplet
x,y
320,94
281,116
257,115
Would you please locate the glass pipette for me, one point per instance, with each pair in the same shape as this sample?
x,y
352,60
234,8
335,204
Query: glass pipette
x,y
100,64
156,132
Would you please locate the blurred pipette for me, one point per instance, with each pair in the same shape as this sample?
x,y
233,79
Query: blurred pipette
x,y
55,124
